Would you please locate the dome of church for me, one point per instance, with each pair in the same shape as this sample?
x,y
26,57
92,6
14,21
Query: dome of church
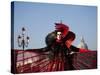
x,y
82,44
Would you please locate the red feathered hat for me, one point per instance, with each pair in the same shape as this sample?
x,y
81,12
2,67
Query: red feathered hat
x,y
62,28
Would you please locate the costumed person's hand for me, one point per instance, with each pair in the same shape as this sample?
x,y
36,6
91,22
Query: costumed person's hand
x,y
83,50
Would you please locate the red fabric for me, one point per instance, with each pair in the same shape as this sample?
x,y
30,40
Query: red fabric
x,y
83,50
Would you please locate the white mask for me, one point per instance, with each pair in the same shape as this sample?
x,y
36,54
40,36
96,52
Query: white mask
x,y
59,35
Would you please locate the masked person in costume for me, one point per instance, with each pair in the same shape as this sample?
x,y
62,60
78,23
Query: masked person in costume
x,y
57,44
59,50
60,44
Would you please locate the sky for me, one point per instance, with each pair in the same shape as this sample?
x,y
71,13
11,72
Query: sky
x,y
39,18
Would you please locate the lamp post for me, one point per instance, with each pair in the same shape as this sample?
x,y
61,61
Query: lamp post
x,y
23,41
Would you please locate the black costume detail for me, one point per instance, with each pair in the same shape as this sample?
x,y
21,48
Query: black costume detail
x,y
59,50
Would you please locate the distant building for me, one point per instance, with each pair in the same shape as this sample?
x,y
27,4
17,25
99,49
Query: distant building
x,y
82,44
